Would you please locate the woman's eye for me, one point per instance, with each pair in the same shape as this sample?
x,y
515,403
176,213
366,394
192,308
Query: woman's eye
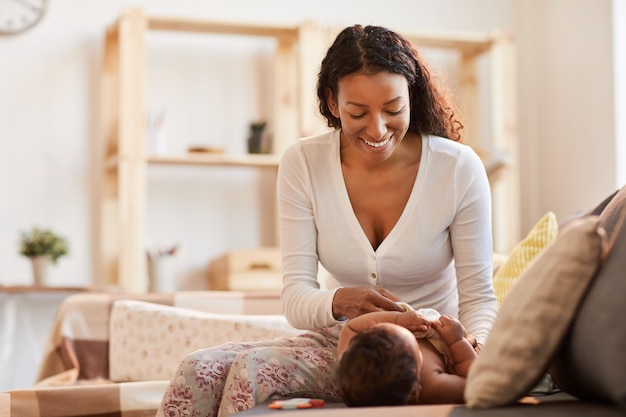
x,y
357,116
395,113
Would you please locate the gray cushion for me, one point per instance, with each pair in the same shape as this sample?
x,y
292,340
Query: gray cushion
x,y
597,210
591,364
613,211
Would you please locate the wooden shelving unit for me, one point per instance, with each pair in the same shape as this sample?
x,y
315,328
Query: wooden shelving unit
x,y
299,49
121,255
500,152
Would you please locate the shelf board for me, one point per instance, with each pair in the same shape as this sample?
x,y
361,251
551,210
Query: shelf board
x,y
217,159
223,28
468,42
208,159
20,289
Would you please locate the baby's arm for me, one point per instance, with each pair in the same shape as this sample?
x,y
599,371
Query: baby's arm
x,y
455,337
438,385
411,320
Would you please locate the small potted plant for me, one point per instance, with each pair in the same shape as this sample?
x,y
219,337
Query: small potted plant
x,y
255,140
43,247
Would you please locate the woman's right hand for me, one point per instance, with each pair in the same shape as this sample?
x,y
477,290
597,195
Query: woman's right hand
x,y
355,301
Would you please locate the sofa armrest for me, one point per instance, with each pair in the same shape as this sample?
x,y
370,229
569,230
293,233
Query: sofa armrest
x,y
230,302
148,341
77,348
78,342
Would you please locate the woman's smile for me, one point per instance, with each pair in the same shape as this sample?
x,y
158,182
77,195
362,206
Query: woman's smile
x,y
380,144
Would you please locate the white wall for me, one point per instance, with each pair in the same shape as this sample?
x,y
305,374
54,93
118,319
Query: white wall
x,y
619,68
567,140
50,99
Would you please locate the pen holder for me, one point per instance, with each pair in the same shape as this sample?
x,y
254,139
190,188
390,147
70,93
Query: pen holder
x,y
161,277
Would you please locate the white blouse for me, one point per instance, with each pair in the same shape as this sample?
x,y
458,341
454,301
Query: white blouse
x,y
438,255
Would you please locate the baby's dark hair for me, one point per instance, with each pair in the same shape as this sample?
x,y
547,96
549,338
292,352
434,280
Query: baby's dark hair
x,y
377,370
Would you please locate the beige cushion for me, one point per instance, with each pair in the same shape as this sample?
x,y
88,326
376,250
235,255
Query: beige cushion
x,y
535,317
147,341
540,236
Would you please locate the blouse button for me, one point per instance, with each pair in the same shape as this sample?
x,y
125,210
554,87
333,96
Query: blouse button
x,y
373,275
373,257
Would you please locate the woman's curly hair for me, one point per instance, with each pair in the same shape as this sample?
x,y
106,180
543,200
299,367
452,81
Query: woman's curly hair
x,y
373,49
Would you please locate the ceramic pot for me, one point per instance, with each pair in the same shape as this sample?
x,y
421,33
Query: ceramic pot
x,y
255,142
41,269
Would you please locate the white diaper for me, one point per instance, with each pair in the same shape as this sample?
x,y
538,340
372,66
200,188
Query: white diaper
x,y
430,334
405,306
429,313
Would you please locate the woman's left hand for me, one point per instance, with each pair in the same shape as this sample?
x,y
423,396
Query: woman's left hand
x,y
352,302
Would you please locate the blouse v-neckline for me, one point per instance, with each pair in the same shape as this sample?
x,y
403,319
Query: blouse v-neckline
x,y
347,204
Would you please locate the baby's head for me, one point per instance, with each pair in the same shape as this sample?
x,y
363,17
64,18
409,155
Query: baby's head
x,y
381,366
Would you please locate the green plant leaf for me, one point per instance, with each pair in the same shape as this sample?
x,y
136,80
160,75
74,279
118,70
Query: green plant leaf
x,y
38,242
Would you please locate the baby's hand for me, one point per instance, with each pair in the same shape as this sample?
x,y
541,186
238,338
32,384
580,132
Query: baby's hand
x,y
413,321
450,329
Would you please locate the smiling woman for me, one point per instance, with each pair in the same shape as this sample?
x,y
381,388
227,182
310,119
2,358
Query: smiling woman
x,y
389,202
16,16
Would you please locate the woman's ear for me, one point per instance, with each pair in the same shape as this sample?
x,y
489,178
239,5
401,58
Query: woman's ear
x,y
332,103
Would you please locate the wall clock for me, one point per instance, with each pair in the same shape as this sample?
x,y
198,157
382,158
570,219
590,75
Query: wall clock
x,y
17,16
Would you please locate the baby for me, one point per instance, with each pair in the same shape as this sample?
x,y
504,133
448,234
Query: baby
x,y
392,358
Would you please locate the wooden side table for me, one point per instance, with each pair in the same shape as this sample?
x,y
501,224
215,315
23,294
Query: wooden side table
x,y
26,313
5,405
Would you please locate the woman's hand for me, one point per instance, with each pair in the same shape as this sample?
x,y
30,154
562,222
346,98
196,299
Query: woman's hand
x,y
355,301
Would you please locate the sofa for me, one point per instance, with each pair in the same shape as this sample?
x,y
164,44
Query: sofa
x,y
112,354
561,291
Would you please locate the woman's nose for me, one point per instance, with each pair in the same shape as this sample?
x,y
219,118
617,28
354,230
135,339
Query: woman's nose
x,y
376,127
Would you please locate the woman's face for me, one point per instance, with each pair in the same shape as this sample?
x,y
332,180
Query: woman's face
x,y
374,111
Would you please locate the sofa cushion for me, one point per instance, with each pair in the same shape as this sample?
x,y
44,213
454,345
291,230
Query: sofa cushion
x,y
591,364
613,211
535,317
597,210
542,234
147,341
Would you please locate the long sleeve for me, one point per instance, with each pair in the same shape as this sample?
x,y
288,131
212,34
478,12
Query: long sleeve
x,y
306,306
472,251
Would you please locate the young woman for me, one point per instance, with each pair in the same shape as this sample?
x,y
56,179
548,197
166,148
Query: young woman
x,y
392,205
